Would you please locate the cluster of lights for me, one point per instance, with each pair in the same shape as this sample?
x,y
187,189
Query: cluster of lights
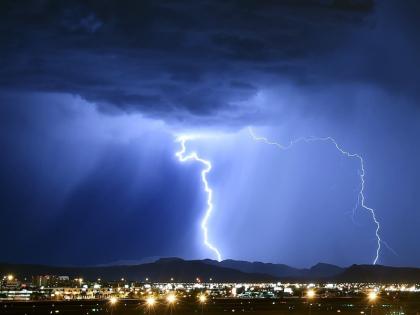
x,y
171,299
171,293
9,277
372,295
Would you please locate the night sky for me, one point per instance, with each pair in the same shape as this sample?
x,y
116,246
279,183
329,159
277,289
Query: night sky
x,y
93,95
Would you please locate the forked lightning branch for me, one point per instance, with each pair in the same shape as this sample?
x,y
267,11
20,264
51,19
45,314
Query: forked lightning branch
x,y
183,156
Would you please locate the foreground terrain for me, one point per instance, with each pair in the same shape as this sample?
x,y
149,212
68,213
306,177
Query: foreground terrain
x,y
346,305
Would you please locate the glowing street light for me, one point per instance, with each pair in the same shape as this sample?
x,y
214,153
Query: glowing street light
x,y
10,277
372,296
150,301
113,300
310,294
171,298
202,298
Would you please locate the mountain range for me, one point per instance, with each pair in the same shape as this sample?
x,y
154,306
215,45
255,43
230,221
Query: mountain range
x,y
165,269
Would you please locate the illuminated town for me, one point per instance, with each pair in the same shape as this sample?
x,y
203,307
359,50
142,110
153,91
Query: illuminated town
x,y
53,292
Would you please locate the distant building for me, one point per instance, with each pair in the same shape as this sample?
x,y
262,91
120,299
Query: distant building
x,y
10,283
51,281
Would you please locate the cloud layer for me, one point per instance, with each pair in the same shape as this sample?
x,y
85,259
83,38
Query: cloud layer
x,y
201,61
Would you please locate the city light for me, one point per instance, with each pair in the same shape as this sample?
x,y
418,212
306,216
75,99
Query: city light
x,y
182,294
310,294
372,296
202,298
171,298
150,301
10,277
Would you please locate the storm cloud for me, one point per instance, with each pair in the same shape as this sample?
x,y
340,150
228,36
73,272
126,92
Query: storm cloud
x,y
197,61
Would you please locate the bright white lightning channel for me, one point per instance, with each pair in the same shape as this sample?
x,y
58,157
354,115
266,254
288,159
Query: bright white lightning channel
x,y
193,156
360,197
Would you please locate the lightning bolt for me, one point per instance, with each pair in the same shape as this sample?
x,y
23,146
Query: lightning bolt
x,y
360,196
182,157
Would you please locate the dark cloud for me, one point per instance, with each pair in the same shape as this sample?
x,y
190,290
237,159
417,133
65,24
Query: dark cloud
x,y
171,59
